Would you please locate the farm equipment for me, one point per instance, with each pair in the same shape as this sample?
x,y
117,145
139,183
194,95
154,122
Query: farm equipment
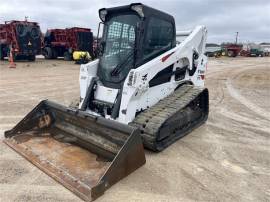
x,y
22,39
213,50
144,88
64,42
257,52
252,50
265,48
81,57
231,50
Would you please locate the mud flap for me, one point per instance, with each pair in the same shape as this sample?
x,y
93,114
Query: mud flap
x,y
85,153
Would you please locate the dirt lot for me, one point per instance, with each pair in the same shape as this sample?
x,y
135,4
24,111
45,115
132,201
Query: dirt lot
x,y
227,159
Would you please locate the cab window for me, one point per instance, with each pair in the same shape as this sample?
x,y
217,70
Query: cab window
x,y
159,38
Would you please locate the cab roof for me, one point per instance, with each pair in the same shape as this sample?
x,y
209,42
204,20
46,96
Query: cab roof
x,y
147,11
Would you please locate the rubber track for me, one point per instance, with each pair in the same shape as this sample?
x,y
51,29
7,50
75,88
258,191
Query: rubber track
x,y
150,121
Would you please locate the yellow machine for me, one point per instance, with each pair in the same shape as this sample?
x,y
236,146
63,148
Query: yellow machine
x,y
81,57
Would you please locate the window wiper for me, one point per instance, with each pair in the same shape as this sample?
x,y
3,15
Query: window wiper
x,y
118,67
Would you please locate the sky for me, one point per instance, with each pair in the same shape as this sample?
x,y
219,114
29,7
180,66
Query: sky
x,y
223,18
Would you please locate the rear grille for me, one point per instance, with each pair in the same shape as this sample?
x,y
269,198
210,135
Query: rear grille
x,y
85,41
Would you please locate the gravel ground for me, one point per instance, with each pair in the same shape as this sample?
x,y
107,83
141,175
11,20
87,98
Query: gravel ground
x,y
226,159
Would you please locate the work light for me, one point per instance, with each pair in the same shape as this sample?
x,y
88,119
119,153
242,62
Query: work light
x,y
138,8
102,14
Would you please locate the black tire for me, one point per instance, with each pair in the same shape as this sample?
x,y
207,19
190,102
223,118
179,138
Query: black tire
x,y
54,54
1,53
231,53
31,58
21,30
48,53
35,33
67,56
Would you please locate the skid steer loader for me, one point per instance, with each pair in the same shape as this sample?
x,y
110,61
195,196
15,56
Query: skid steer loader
x,y
145,88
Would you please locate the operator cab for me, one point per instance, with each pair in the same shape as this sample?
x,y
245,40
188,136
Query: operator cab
x,y
132,35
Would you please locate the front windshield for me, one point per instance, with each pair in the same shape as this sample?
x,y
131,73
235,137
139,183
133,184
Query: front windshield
x,y
118,50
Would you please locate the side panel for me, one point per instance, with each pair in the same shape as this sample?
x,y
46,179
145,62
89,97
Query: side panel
x,y
199,76
106,94
87,72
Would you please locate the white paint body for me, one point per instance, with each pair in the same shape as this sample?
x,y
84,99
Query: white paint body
x,y
137,95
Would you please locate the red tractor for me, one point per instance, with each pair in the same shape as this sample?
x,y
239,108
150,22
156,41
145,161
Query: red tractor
x,y
63,42
231,50
21,38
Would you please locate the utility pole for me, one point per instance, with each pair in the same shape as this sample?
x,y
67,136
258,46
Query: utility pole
x,y
236,38
26,18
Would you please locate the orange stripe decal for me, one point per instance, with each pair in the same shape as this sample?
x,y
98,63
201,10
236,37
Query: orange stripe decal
x,y
166,57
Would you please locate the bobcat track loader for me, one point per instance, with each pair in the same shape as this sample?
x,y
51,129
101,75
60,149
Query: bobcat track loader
x,y
145,88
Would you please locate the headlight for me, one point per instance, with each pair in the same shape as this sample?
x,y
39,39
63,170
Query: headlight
x,y
138,8
102,14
